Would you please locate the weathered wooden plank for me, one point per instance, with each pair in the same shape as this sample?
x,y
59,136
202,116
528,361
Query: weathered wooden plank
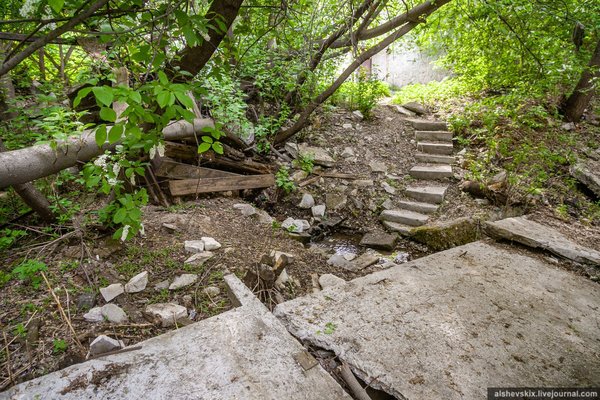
x,y
170,169
247,166
207,185
181,151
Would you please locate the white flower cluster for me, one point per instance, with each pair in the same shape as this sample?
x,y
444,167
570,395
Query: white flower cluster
x,y
159,148
102,162
29,8
125,232
48,15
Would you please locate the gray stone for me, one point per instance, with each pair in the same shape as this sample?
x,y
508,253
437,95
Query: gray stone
x,y
431,172
295,225
320,156
338,260
292,148
307,201
246,209
211,291
298,176
415,107
423,208
427,194
447,234
193,246
264,217
318,211
167,313
328,280
161,285
379,240
347,126
171,228
568,126
535,235
402,229
405,217
442,136
335,201
182,281
199,258
435,148
363,182
210,243
85,301
94,315
387,204
588,173
282,279
281,258
388,188
434,158
402,111
357,115
104,344
347,152
137,283
364,261
465,319
112,291
114,313
425,125
377,166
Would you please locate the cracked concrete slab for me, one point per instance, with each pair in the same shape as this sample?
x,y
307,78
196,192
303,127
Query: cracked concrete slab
x,y
244,353
449,325
536,235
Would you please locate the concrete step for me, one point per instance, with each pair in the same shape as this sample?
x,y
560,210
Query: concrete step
x,y
402,229
435,148
434,158
425,125
405,217
431,172
427,194
423,208
434,135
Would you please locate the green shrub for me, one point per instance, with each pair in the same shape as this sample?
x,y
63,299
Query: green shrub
x,y
362,95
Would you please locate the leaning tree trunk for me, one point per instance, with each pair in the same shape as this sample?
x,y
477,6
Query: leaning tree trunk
x,y
579,100
31,163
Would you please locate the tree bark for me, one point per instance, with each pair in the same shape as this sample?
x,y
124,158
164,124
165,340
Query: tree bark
x,y
31,163
192,59
576,104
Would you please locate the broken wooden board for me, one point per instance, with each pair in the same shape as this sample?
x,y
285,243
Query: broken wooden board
x,y
246,166
181,151
170,169
223,184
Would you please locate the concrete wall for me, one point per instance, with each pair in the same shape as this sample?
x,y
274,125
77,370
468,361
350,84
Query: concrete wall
x,y
402,66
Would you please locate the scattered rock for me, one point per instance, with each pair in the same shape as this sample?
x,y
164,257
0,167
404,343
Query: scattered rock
x,y
282,279
415,107
188,301
347,126
194,246
86,301
379,240
349,256
171,228
307,201
387,204
320,156
94,315
199,258
281,258
104,344
211,291
401,258
183,281
137,283
364,261
112,291
295,225
264,217
378,166
335,201
338,260
292,148
347,152
161,285
246,209
403,111
445,235
363,182
210,243
318,211
299,176
588,173
328,280
568,126
114,313
388,188
167,313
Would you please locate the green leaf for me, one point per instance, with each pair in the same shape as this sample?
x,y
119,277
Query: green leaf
x,y
115,133
204,147
120,216
108,114
100,135
56,5
135,96
162,77
190,36
104,95
184,99
164,99
217,147
80,95
207,139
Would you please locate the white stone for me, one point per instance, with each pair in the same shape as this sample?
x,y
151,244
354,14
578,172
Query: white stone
x,y
349,256
347,152
137,283
338,260
388,188
104,344
94,315
194,246
318,211
363,182
168,313
112,291
210,243
328,280
199,258
161,285
211,291
114,313
388,204
183,281
347,126
282,279
378,166
295,225
307,201
264,217
358,115
246,209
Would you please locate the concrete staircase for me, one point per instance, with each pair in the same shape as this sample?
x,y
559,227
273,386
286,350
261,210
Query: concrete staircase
x,y
435,160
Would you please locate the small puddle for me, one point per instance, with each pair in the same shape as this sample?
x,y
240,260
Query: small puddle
x,y
348,245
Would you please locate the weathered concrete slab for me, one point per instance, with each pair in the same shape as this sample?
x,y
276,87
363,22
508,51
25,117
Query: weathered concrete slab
x,y
536,235
449,325
245,353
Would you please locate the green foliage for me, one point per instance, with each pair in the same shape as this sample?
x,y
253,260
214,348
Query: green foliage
x,y
20,330
362,95
59,346
5,277
29,270
305,161
9,237
283,180
211,142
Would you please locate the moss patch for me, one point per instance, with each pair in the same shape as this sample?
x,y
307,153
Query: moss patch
x,y
449,234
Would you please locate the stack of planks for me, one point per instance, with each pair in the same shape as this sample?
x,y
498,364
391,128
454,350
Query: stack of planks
x,y
182,171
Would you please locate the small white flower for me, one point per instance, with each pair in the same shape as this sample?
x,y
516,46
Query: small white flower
x,y
119,148
152,152
142,231
206,36
112,181
125,233
101,161
132,179
161,149
116,169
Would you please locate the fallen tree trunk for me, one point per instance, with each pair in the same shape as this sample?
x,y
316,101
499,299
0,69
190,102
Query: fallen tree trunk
x,y
31,163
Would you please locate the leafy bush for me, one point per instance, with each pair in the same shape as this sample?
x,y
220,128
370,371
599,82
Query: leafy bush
x,y
8,237
305,162
283,181
29,270
362,95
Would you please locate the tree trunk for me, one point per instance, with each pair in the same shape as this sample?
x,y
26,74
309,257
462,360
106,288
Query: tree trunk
x,y
31,163
576,104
